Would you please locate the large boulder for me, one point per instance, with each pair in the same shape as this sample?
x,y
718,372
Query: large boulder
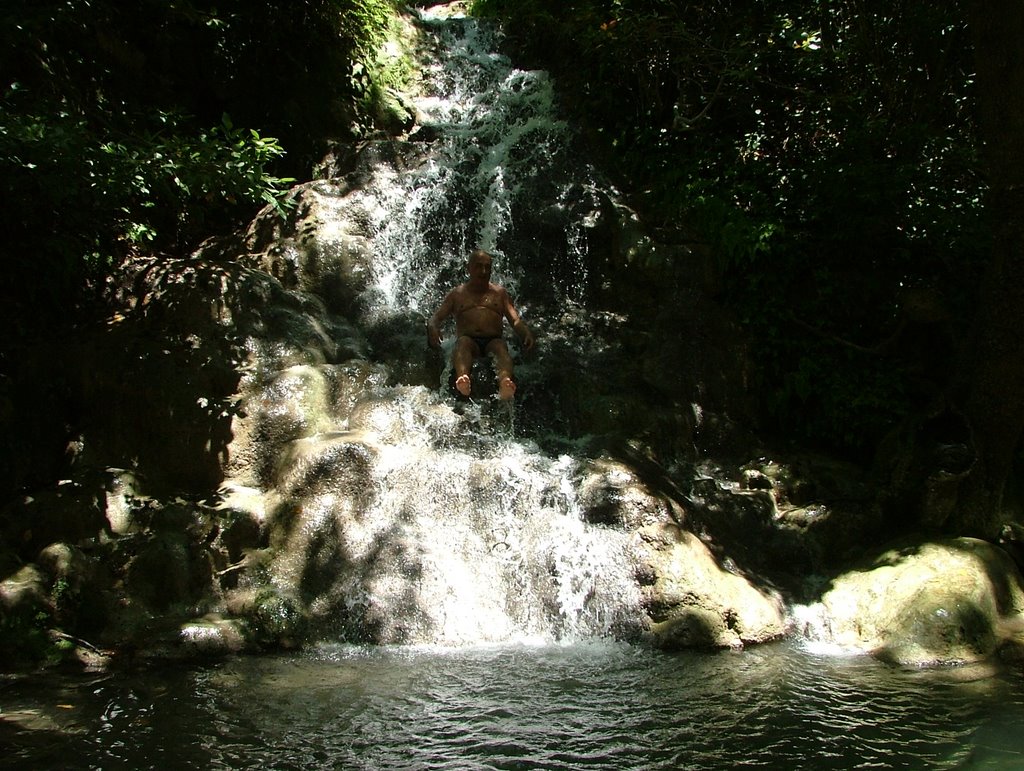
x,y
691,597
694,601
945,602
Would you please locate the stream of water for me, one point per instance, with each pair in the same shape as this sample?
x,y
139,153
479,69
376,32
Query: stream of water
x,y
597,705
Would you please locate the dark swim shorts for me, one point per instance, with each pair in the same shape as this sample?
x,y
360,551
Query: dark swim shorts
x,y
483,342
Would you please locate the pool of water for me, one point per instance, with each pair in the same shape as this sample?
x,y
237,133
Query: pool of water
x,y
583,706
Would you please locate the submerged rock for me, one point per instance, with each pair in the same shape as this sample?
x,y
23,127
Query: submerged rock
x,y
213,636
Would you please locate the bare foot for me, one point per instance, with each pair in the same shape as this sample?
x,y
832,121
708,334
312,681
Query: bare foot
x,y
506,388
462,384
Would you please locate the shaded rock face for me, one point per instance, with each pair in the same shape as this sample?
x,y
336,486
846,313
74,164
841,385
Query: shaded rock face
x,y
955,601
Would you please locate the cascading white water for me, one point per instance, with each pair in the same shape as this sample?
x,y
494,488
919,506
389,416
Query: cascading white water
x,y
493,138
410,519
416,527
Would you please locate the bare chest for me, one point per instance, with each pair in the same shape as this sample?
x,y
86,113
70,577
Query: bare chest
x,y
485,301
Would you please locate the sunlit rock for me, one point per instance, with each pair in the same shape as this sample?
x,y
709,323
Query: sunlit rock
x,y
337,464
611,494
405,415
695,601
274,616
953,601
323,247
213,635
250,501
74,579
123,492
293,403
24,592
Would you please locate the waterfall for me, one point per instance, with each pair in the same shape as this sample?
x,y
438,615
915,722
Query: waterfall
x,y
488,157
401,516
456,537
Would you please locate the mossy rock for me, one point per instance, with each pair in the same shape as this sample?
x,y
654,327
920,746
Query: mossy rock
x,y
955,601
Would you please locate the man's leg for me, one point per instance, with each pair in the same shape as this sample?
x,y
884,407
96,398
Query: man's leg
x,y
503,366
465,351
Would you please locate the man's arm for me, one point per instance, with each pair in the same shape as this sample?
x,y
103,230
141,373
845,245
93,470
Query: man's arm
x,y
518,325
435,321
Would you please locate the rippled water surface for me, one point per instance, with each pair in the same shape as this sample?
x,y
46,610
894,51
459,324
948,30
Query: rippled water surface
x,y
584,706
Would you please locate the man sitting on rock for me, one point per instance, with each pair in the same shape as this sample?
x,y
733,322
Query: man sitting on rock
x,y
480,308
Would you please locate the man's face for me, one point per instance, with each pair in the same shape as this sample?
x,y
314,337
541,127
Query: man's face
x,y
480,268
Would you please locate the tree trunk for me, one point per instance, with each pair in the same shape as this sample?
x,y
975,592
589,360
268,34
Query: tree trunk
x,y
995,376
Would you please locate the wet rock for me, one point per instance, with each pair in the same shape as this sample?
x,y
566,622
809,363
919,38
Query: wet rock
x,y
297,402
238,534
215,636
78,584
392,416
339,461
123,498
294,404
271,617
240,501
953,601
67,564
323,248
395,114
26,615
25,593
171,409
694,601
27,603
611,494
1011,539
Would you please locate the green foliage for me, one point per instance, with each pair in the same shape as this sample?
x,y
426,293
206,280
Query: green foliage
x,y
114,124
59,593
366,23
26,640
825,150
153,186
114,140
380,69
